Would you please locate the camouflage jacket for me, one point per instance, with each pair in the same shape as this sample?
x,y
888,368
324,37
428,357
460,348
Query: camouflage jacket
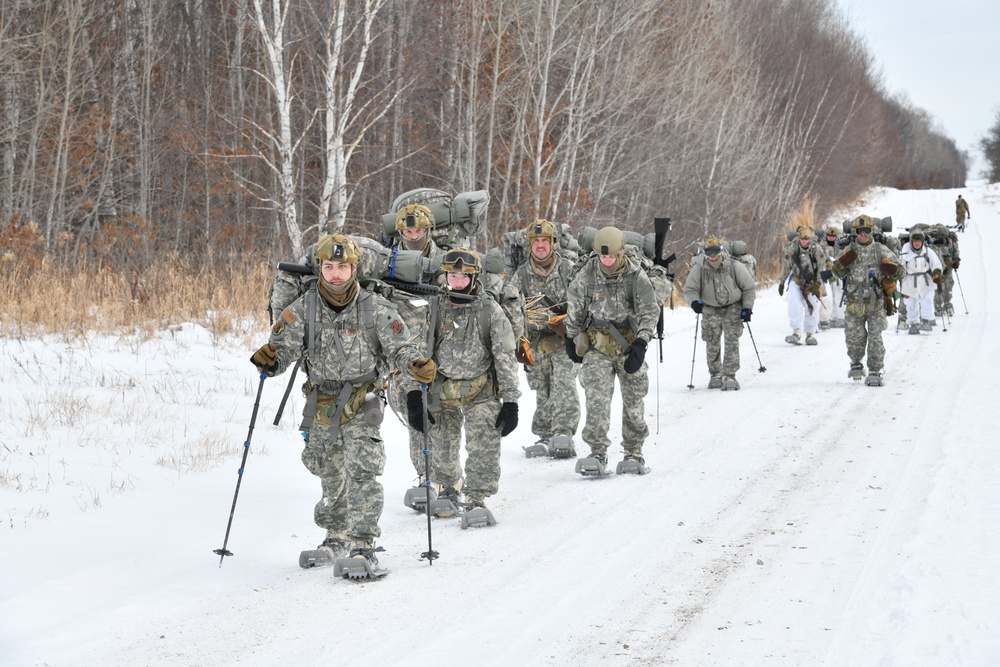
x,y
544,295
729,284
626,301
863,286
803,264
464,352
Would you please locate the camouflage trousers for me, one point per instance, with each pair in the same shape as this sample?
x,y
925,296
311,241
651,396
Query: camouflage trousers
x,y
597,375
942,297
716,322
865,331
482,445
557,402
347,467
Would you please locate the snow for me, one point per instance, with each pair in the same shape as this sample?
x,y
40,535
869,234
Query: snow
x,y
804,520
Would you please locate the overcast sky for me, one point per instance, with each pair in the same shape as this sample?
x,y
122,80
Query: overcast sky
x,y
944,55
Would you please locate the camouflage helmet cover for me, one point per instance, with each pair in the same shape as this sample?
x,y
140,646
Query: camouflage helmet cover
x,y
542,229
804,232
863,221
414,216
337,247
461,260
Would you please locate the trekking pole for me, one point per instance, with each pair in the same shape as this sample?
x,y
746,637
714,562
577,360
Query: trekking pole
x,y
697,320
761,369
223,552
430,554
961,291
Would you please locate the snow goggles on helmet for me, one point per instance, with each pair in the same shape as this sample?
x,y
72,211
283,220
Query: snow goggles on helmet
x,y
863,230
461,260
713,250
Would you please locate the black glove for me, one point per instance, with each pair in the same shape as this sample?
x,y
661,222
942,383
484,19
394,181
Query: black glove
x,y
696,307
266,359
415,410
781,288
745,314
507,419
571,352
826,275
636,354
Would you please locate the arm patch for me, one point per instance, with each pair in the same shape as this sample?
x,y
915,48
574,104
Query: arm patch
x,y
288,316
396,326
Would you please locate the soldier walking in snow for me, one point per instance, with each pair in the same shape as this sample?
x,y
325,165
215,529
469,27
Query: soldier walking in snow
x,y
923,273
723,292
962,213
870,269
476,386
804,260
347,337
831,313
543,281
611,317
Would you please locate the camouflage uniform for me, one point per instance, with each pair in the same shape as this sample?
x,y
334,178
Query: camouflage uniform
x,y
476,371
595,304
946,246
866,299
803,265
342,449
831,312
962,212
724,291
553,375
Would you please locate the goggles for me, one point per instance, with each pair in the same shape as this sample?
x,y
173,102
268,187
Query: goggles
x,y
864,230
460,261
713,250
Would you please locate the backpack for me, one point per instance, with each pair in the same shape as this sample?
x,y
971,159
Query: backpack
x,y
457,220
641,249
738,251
516,248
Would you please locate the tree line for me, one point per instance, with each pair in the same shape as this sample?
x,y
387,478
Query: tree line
x,y
217,130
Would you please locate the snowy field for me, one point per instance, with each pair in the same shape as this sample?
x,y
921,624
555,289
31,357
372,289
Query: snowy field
x,y
804,520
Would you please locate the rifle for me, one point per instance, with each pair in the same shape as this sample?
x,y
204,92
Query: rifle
x,y
661,226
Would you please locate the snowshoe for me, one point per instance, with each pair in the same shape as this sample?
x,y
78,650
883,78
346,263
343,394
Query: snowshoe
x,y
730,384
593,466
540,448
874,379
447,504
793,339
416,498
811,340
914,329
927,325
857,372
632,465
824,326
715,382
561,447
361,564
477,516
323,555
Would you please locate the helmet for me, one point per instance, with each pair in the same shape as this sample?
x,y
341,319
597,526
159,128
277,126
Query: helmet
x,y
461,260
609,241
339,247
863,221
832,231
414,216
917,236
713,245
804,232
542,229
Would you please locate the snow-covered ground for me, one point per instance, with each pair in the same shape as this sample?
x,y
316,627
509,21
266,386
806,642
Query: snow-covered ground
x,y
804,520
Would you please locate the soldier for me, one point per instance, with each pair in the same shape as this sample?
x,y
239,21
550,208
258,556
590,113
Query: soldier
x,y
870,269
543,280
832,303
723,291
923,273
946,246
347,337
804,260
476,385
611,317
962,213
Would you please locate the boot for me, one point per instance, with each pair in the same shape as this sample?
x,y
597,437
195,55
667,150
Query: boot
x,y
811,340
914,329
715,382
795,338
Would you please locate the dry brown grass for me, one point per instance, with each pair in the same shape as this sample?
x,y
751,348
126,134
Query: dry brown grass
x,y
44,296
806,215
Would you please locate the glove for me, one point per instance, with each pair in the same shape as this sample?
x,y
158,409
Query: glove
x,y
696,306
847,258
507,419
558,325
954,265
415,410
571,352
745,314
523,352
636,355
781,288
266,359
424,370
826,275
887,267
936,276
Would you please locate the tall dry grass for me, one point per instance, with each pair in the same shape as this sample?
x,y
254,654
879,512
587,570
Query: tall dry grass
x,y
46,296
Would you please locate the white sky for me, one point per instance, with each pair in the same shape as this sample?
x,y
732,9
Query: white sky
x,y
943,55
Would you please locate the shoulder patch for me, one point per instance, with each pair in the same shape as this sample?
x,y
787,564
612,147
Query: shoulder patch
x,y
288,316
278,327
396,326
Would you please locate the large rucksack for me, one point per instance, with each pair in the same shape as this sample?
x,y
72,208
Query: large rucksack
x,y
738,251
642,249
516,247
457,220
